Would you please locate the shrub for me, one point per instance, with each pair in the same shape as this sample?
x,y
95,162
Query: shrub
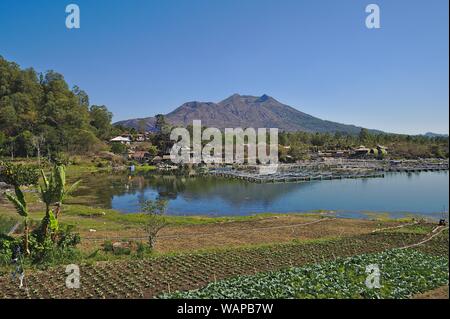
x,y
7,246
108,246
46,253
118,148
18,174
141,249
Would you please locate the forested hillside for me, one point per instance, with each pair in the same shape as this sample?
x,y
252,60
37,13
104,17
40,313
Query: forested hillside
x,y
39,113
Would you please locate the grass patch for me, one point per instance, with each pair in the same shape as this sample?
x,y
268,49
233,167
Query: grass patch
x,y
6,223
421,229
140,218
145,168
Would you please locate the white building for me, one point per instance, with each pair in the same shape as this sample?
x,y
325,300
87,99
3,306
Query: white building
x,y
121,139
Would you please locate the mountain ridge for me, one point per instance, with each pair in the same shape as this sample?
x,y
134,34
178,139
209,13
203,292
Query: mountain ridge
x,y
246,111
432,134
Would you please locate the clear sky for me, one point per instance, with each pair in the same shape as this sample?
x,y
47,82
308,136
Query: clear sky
x,y
143,57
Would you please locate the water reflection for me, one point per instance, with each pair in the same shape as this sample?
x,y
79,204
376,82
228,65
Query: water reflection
x,y
397,192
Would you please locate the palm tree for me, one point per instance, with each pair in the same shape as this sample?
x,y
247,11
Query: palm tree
x,y
21,207
53,193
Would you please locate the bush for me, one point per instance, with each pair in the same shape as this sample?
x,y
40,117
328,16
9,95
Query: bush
x,y
125,248
108,246
118,148
7,246
18,174
142,249
118,251
100,165
46,253
61,159
67,238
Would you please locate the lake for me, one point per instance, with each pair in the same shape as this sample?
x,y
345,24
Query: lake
x,y
423,193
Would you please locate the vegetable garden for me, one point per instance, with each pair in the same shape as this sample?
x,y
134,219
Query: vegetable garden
x,y
166,274
403,273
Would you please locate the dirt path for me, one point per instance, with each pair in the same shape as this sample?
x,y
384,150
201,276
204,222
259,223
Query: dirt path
x,y
439,293
429,237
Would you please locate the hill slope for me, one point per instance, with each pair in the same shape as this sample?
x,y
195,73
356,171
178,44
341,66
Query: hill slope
x,y
246,111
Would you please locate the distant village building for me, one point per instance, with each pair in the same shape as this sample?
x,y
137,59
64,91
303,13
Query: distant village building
x,y
142,137
334,153
165,159
121,139
140,156
382,149
363,151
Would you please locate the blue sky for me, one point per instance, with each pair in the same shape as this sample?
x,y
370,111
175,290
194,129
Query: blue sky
x,y
143,57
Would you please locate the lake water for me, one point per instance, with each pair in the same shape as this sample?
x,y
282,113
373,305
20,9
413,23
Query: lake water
x,y
423,193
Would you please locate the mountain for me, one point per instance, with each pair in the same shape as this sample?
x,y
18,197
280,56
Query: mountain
x,y
431,134
246,111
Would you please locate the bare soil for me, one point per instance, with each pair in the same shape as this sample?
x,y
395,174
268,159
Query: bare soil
x,y
278,229
439,293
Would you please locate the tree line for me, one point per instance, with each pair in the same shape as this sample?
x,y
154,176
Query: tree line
x,y
41,116
301,144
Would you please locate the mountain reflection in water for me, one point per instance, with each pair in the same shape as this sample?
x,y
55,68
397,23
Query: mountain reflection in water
x,y
425,193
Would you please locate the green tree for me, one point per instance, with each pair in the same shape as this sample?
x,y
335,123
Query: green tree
x,y
160,123
142,124
3,140
153,150
155,210
45,106
24,144
118,148
83,142
20,204
100,119
364,135
162,136
83,98
53,192
17,176
283,138
8,117
38,142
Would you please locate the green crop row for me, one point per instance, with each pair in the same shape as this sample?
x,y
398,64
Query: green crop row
x,y
402,274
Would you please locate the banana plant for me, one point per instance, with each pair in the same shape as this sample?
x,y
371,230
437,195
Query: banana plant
x,y
20,204
53,193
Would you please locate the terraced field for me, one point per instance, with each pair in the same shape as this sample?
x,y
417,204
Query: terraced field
x,y
187,271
